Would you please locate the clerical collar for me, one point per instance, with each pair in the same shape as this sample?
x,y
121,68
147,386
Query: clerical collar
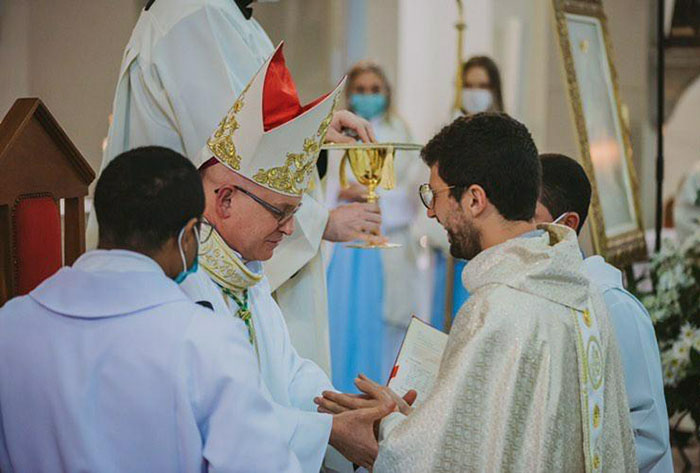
x,y
225,266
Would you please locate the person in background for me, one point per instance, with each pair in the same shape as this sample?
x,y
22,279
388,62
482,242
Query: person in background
x,y
481,86
108,366
481,92
565,197
371,293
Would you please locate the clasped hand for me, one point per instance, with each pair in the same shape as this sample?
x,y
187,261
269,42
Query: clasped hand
x,y
356,417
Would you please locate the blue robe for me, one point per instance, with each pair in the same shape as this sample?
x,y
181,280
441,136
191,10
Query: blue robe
x,y
459,295
355,288
107,366
641,361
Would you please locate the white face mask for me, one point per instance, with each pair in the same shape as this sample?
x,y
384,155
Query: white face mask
x,y
476,100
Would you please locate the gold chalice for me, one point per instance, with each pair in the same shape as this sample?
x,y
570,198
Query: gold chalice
x,y
373,165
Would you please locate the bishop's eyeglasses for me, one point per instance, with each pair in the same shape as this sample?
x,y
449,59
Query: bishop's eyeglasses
x,y
282,216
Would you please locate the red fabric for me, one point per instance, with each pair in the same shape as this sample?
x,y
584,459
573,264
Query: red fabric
x,y
280,98
37,232
208,163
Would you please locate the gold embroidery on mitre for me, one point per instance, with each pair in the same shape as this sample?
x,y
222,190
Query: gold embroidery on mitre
x,y
293,177
221,142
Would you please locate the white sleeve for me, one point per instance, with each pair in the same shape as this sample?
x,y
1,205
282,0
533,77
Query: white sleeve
x,y
204,63
237,424
303,380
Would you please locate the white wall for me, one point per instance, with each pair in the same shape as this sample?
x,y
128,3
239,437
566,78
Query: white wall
x,y
14,52
66,52
682,139
427,58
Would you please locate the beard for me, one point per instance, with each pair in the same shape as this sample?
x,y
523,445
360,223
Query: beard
x,y
465,240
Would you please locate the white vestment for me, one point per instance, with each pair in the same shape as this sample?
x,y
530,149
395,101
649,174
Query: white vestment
x,y
642,363
184,65
291,381
512,383
107,366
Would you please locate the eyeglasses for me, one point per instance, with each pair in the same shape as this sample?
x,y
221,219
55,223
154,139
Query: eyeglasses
x,y
282,216
427,194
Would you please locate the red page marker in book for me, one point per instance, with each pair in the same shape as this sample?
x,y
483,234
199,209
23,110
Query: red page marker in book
x,y
394,371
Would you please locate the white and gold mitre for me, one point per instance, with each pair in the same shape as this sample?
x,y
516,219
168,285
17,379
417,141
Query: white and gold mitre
x,y
268,136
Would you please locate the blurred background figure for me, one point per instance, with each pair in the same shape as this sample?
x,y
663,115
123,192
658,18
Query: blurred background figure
x,y
481,86
371,293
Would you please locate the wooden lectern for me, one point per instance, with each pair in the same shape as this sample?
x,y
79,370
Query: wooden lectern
x,y
39,167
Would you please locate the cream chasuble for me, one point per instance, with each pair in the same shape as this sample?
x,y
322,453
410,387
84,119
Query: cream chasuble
x,y
531,379
290,380
184,65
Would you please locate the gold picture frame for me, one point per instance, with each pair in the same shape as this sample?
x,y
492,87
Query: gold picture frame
x,y
603,137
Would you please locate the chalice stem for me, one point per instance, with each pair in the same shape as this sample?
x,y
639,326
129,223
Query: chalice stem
x,y
372,196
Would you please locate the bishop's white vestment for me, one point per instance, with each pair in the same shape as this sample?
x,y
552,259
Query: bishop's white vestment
x,y
107,366
531,378
291,381
184,65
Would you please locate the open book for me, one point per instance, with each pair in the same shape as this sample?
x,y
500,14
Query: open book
x,y
419,359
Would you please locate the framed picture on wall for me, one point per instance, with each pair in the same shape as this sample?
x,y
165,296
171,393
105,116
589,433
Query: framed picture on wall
x,y
603,137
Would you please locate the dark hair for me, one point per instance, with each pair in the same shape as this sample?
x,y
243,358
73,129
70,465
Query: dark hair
x,y
494,77
145,196
565,187
494,151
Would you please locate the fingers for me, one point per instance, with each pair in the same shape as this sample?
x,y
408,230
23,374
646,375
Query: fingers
x,y
330,406
334,136
347,401
380,411
374,240
371,228
368,386
370,132
372,207
364,131
372,217
410,397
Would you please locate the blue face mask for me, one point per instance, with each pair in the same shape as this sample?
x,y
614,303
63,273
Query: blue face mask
x,y
368,106
185,271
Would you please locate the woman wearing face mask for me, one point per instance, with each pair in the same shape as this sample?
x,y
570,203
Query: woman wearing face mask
x,y
481,86
370,292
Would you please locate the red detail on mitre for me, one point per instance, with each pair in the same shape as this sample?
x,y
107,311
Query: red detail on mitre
x,y
280,98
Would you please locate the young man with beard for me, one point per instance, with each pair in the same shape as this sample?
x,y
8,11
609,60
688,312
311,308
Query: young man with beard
x,y
565,197
531,378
